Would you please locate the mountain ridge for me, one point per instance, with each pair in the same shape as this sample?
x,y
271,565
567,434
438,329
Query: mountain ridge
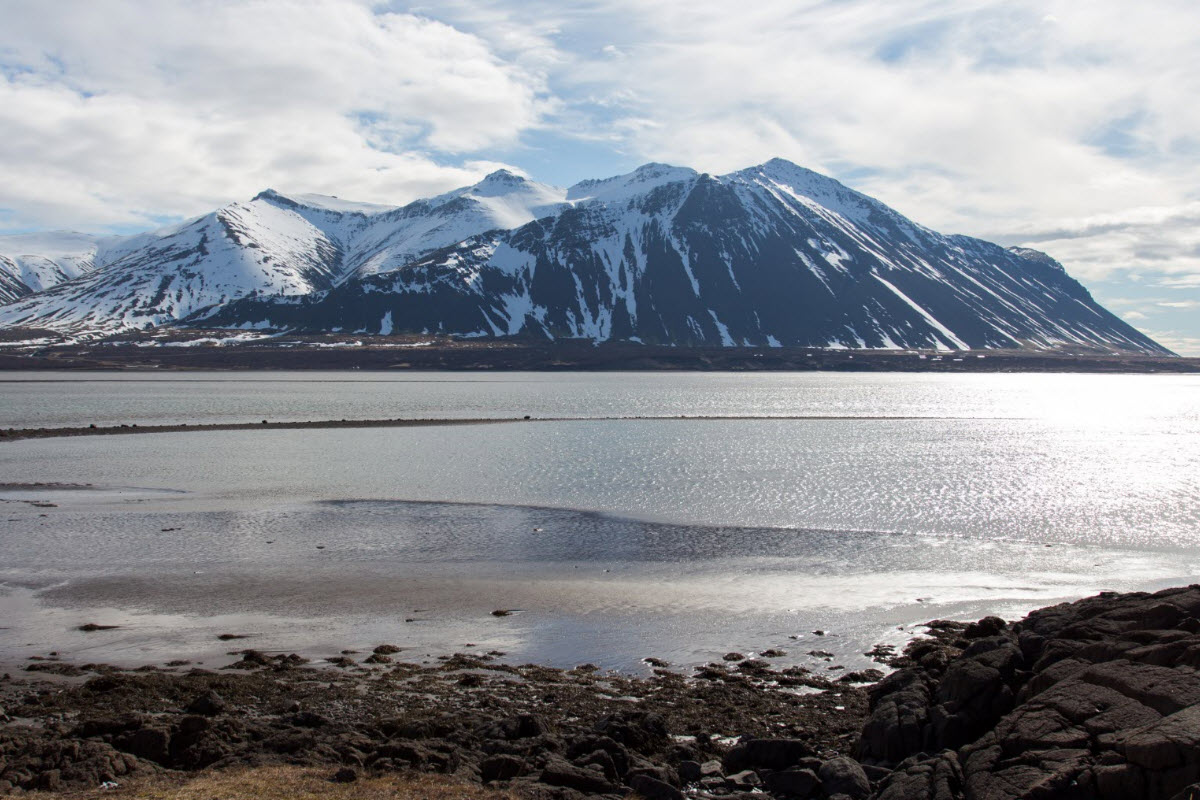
x,y
773,254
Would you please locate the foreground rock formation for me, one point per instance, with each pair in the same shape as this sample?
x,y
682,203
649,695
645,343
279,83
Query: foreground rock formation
x,y
1095,699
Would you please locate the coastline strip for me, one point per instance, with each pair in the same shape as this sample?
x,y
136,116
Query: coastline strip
x,y
16,434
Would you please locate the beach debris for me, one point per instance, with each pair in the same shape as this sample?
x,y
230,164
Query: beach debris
x,y
92,627
226,637
502,612
386,650
818,632
656,662
773,653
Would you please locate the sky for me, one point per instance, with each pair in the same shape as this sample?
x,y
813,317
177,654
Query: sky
x,y
1070,126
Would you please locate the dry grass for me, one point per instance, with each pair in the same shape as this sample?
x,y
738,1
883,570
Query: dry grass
x,y
288,783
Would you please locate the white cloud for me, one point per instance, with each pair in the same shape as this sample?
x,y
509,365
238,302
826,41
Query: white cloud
x,y
1191,281
1183,343
113,112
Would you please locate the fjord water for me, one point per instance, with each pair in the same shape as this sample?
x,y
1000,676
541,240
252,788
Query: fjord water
x,y
850,503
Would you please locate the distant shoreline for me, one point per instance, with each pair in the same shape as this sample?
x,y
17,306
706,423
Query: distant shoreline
x,y
17,434
209,350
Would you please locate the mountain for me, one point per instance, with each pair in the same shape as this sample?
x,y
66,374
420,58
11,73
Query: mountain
x,y
32,262
273,245
770,255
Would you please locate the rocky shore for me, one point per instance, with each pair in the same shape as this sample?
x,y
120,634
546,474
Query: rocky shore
x,y
1094,699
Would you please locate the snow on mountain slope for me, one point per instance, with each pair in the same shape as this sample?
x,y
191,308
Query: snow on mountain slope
x,y
770,255
501,201
31,262
275,244
620,190
381,238
241,249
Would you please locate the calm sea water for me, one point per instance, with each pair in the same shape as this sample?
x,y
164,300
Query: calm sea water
x,y
899,498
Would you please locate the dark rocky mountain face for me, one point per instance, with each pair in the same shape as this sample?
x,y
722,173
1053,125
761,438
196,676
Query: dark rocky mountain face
x,y
770,255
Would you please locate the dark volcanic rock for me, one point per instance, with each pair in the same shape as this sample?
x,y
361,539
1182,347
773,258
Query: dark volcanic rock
x,y
645,732
793,782
558,772
502,767
937,778
522,726
843,775
767,753
1094,699
654,789
208,704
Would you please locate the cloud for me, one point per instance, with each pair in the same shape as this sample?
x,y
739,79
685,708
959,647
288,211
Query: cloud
x,y
1183,343
129,110
1191,281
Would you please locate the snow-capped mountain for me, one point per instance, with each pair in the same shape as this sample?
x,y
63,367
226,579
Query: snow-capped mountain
x,y
770,255
273,245
32,262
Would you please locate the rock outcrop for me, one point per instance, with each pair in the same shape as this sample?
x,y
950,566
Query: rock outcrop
x,y
1094,699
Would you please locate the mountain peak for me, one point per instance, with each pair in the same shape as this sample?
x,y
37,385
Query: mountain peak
x,y
503,176
622,187
319,202
1030,254
788,171
782,163
270,195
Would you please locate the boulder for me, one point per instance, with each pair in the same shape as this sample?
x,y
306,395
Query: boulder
x,y
654,789
521,726
502,767
799,783
559,772
844,775
208,704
